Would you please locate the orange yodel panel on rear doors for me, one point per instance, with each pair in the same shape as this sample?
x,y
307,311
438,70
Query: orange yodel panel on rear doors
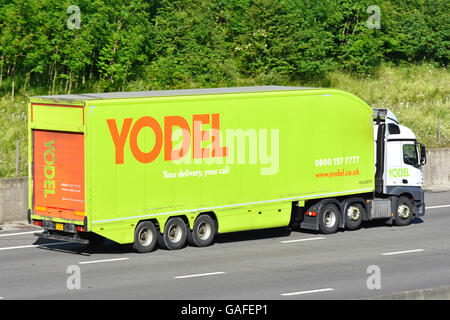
x,y
58,179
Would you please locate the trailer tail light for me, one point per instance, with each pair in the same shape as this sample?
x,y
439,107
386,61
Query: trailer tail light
x,y
37,223
81,229
311,213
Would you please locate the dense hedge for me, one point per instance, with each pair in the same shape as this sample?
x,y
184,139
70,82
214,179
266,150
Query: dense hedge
x,y
181,43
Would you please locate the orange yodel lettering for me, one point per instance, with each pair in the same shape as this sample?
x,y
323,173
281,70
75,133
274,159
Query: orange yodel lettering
x,y
49,168
164,137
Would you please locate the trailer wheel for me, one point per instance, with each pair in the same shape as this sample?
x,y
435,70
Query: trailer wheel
x,y
329,218
403,212
145,237
353,216
204,231
175,233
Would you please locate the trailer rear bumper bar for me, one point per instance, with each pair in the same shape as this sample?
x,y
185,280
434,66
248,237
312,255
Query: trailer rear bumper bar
x,y
54,236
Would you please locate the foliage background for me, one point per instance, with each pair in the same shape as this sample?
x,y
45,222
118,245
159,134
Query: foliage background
x,y
126,45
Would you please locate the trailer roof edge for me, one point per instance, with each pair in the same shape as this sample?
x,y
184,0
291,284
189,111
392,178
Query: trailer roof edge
x,y
167,93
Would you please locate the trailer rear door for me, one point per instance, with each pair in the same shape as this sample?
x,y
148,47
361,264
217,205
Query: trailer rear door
x,y
58,174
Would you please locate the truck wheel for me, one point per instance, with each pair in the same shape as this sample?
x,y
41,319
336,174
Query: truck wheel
x,y
404,211
329,218
145,237
175,233
353,216
204,231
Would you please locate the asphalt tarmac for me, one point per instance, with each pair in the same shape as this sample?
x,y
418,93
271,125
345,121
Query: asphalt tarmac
x,y
272,264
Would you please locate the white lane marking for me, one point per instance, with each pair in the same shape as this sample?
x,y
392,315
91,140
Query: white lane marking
x,y
436,207
306,292
300,240
106,260
199,275
19,233
34,246
400,252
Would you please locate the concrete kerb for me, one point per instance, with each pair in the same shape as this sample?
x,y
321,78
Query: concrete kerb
x,y
436,188
17,226
439,293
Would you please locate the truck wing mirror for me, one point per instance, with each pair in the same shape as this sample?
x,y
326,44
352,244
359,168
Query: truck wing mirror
x,y
423,154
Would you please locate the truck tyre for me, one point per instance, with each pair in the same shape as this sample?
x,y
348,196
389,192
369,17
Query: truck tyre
x,y
354,215
145,237
329,218
175,233
204,231
403,212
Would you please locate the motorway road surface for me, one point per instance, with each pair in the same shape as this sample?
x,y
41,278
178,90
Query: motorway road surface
x,y
269,264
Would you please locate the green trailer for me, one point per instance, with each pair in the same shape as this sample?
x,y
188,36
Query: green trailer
x,y
184,165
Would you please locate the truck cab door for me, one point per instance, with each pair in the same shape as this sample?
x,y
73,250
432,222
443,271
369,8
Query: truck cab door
x,y
411,170
403,167
394,159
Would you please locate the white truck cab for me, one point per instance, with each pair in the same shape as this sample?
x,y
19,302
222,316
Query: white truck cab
x,y
398,165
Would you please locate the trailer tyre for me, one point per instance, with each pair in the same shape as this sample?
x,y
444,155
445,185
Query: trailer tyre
x,y
403,212
329,218
145,237
353,216
204,231
175,233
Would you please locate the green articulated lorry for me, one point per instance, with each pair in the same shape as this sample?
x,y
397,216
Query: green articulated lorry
x,y
166,168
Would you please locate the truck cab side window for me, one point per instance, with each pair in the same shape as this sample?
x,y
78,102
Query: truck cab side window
x,y
393,128
410,154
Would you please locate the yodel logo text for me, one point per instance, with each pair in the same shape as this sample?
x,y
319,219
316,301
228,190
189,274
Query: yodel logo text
x,y
49,168
197,141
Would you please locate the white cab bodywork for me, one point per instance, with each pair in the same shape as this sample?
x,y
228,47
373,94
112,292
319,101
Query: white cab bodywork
x,y
401,156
